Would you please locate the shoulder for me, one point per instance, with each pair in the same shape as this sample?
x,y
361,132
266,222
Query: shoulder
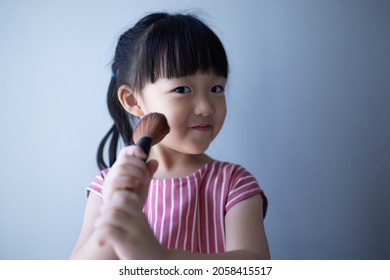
x,y
233,170
96,185
234,176
242,183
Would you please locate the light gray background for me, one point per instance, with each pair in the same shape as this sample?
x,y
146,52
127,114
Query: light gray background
x,y
308,116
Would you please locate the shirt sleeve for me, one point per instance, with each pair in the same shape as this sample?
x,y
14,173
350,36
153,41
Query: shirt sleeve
x,y
244,185
96,185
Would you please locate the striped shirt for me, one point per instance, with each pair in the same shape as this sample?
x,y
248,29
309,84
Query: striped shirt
x,y
188,213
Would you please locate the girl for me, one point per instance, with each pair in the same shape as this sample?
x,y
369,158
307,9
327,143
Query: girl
x,y
181,204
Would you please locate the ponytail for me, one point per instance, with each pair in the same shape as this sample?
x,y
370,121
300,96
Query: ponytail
x,y
114,141
120,128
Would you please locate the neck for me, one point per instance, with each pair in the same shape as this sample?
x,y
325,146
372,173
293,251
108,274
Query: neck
x,y
172,164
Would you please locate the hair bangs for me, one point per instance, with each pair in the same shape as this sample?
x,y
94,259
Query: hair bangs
x,y
181,46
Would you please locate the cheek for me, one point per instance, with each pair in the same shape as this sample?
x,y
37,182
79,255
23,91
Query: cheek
x,y
221,113
175,120
177,126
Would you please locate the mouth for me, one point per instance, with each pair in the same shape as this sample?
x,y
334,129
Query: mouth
x,y
202,127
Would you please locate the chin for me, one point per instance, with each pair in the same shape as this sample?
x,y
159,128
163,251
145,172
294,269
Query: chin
x,y
198,150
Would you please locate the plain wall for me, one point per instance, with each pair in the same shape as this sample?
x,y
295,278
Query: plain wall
x,y
308,102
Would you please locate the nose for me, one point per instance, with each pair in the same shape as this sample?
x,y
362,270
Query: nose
x,y
203,106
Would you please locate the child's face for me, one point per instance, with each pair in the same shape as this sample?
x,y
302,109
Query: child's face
x,y
195,107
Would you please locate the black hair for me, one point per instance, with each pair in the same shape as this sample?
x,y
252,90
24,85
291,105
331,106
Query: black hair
x,y
160,45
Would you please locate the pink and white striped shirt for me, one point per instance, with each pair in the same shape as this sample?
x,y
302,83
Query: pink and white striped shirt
x,y
188,213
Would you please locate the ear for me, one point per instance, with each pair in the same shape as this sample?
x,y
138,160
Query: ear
x,y
129,101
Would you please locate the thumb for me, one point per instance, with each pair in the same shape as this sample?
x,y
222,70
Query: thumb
x,y
152,166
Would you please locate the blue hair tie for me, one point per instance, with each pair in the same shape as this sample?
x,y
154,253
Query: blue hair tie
x,y
113,74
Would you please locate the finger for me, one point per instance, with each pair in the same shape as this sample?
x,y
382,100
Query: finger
x,y
128,177
123,200
131,174
121,214
118,219
121,183
139,153
125,159
132,151
132,163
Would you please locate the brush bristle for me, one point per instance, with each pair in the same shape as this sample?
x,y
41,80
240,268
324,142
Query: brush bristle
x,y
153,125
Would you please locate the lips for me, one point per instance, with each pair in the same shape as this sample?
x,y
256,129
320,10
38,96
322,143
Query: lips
x,y
202,127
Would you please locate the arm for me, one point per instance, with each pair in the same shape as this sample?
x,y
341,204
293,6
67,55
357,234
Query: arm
x,y
129,174
87,246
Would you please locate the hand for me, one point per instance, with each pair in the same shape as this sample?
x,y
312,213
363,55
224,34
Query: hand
x,y
130,172
124,194
124,227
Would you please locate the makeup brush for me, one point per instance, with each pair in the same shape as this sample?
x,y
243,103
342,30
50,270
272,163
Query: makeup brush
x,y
150,130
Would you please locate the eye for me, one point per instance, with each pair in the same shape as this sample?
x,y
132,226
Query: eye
x,y
217,89
182,90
